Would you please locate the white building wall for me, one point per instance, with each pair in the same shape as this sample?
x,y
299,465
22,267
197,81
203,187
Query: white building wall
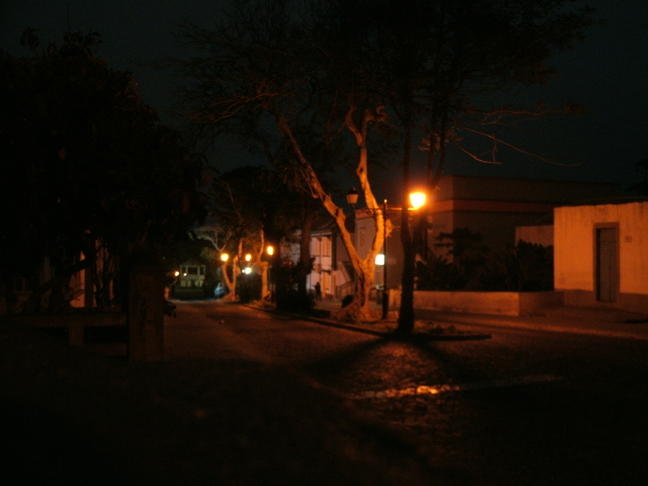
x,y
574,246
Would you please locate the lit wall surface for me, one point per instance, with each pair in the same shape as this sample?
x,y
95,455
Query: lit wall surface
x,y
574,245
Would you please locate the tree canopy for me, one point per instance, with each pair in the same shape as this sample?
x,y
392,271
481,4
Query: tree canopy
x,y
422,67
85,161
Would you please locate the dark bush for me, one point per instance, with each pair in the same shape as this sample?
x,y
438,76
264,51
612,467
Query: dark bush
x,y
290,299
249,287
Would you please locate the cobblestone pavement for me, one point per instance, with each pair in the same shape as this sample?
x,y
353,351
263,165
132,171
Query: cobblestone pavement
x,y
250,398
523,407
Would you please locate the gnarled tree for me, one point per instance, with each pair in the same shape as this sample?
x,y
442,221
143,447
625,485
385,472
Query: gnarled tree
x,y
428,63
260,60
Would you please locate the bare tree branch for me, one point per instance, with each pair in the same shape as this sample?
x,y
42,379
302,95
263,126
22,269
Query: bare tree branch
x,y
519,149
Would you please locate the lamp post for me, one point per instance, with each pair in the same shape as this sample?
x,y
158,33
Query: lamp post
x,y
269,286
352,196
385,294
414,201
352,199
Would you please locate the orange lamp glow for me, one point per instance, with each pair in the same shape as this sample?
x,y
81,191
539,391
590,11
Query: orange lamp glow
x,y
417,200
270,250
248,257
224,257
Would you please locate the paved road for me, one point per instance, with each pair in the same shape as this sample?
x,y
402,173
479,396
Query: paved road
x,y
533,407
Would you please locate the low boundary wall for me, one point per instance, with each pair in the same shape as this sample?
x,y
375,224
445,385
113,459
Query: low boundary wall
x,y
474,302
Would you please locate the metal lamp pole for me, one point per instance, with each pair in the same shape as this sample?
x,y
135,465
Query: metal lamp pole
x,y
385,295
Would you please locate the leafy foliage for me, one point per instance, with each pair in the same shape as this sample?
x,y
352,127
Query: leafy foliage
x,y
85,161
420,66
288,296
473,266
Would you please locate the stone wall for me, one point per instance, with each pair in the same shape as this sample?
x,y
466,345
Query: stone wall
x,y
499,303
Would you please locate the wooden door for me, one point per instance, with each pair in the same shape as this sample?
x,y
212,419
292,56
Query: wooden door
x,y
607,264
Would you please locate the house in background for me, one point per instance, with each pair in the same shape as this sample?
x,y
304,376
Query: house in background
x,y
192,275
331,266
503,211
601,254
495,207
325,267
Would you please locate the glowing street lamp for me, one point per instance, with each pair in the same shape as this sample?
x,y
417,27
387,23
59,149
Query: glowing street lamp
x,y
176,273
224,257
270,250
380,259
248,257
417,200
247,270
352,196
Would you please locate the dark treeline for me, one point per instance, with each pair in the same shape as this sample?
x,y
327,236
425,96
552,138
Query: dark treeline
x,y
90,177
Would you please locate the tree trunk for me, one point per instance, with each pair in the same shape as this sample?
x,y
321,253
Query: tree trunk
x,y
359,309
406,313
145,314
230,282
265,289
263,267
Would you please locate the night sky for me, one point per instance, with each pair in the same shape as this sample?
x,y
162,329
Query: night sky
x,y
607,73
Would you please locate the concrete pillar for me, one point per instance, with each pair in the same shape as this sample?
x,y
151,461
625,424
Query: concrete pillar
x,y
146,314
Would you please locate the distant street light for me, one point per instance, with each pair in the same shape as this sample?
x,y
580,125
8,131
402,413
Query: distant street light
x,y
224,257
248,257
270,250
247,270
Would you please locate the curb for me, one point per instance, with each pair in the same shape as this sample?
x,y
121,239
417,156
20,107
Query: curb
x,y
539,327
385,335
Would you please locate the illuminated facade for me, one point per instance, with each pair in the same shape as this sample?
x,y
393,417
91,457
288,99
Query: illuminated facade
x,y
601,255
501,210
